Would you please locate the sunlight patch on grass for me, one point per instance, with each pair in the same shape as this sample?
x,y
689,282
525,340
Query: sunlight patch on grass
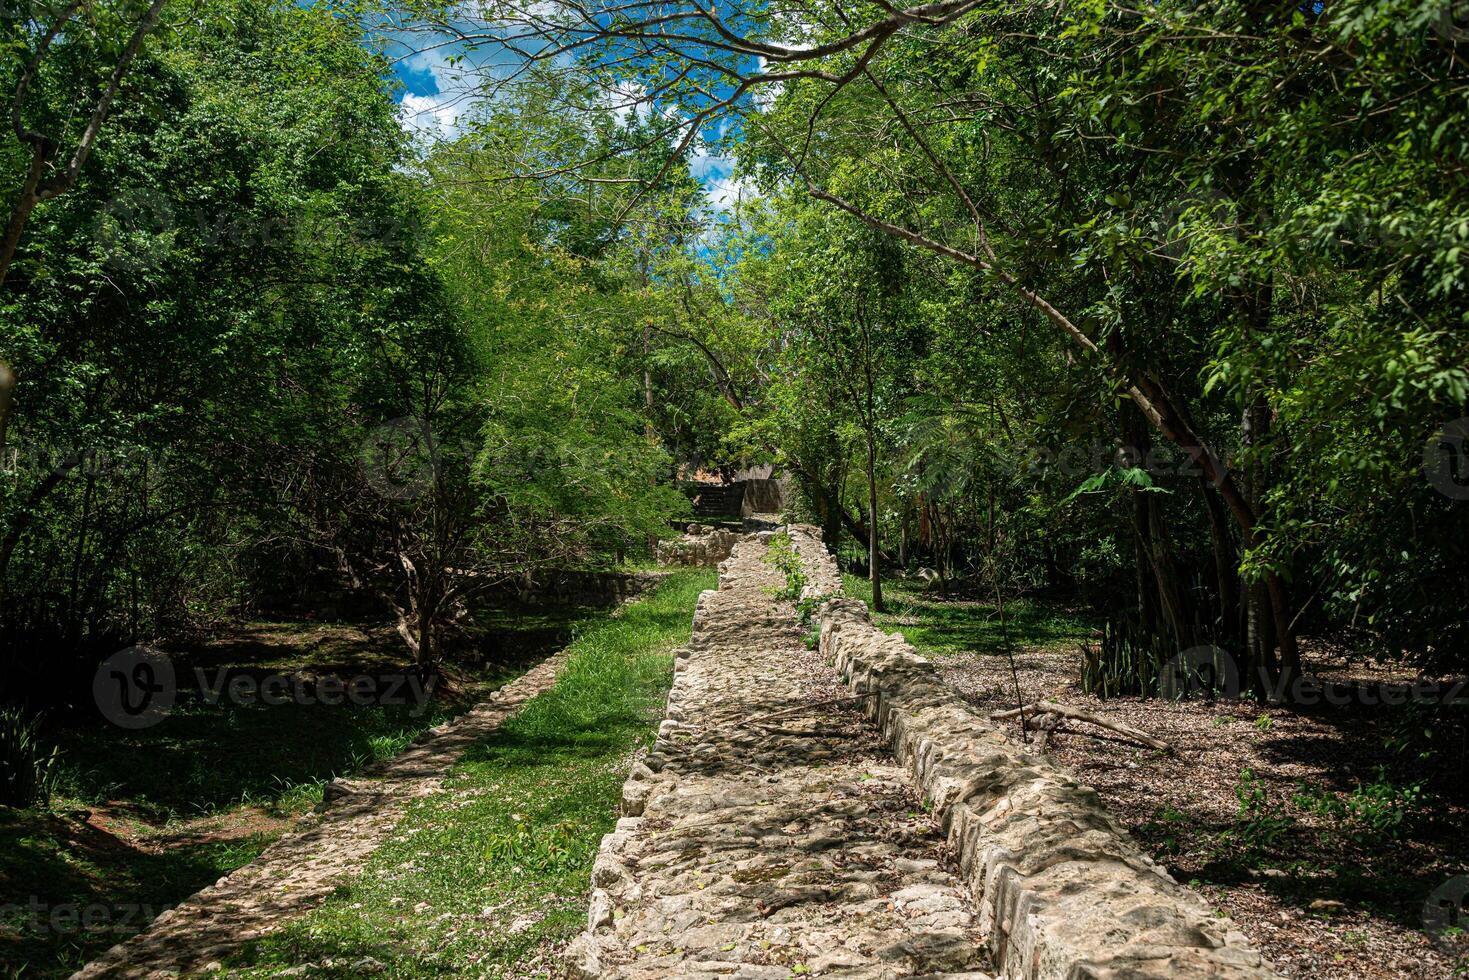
x,y
942,626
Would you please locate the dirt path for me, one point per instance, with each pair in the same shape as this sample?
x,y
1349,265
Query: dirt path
x,y
769,831
299,870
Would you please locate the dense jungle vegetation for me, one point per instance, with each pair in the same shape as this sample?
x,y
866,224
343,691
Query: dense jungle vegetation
x,y
1161,309
1158,310
1113,333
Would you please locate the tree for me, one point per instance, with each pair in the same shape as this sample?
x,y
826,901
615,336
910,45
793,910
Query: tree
x,y
156,382
38,185
1142,147
846,316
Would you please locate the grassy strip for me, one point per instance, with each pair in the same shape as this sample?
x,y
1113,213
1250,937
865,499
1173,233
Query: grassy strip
x,y
145,818
945,627
490,877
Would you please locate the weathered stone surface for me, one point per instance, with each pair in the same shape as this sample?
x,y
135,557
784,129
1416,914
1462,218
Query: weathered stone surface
x,y
768,832
701,547
1063,892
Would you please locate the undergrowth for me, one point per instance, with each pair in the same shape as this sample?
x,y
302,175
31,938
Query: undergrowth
x,y
489,877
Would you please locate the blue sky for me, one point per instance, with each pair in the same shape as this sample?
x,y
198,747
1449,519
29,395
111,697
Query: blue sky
x,y
440,80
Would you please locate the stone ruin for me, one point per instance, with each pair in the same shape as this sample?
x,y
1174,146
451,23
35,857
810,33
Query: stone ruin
x,y
770,833
1063,890
699,547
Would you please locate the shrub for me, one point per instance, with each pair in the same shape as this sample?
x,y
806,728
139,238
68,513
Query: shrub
x,y
27,763
1258,825
1370,813
783,556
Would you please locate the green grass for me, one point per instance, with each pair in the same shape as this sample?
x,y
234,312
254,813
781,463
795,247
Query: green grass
x,y
68,890
947,627
156,786
206,758
483,878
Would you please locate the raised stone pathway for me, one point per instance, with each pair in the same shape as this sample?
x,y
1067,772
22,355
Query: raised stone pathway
x,y
1063,891
769,833
296,872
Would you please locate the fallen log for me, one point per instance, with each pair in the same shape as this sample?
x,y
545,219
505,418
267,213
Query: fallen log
x,y
1037,709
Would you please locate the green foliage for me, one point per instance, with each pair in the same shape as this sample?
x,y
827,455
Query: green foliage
x,y
1123,661
1142,176
192,312
255,290
542,850
783,556
1259,823
1371,813
27,760
1164,831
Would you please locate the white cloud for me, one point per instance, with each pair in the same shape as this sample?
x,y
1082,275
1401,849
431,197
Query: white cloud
x,y
628,100
715,171
429,116
706,166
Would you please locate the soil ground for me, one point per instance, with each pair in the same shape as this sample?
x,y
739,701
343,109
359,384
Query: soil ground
x,y
1321,832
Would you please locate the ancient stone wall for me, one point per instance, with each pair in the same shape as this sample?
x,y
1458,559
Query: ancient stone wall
x,y
701,547
762,497
584,586
1063,891
768,834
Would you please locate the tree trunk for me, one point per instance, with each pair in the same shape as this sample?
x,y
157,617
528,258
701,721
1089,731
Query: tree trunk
x,y
1159,594
74,624
1268,624
648,431
1285,633
903,536
1172,599
1147,606
7,390
24,515
874,569
831,518
1226,567
25,203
